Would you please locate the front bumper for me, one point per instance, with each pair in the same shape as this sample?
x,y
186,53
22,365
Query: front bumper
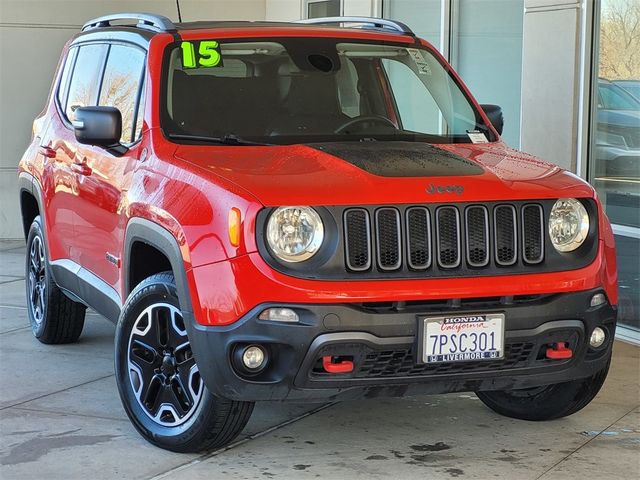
x,y
383,340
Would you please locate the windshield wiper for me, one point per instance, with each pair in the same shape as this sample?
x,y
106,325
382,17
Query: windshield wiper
x,y
228,139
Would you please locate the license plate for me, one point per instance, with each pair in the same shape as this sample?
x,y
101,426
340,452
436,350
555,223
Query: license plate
x,y
463,338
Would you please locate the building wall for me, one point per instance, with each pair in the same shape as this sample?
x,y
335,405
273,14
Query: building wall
x,y
283,10
32,34
550,116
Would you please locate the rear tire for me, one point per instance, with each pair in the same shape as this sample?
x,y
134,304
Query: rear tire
x,y
547,402
159,381
54,317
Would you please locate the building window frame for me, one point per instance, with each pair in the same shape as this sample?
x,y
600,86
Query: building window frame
x,y
307,3
588,89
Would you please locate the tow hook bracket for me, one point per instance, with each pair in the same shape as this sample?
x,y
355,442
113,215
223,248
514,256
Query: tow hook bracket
x,y
559,351
334,365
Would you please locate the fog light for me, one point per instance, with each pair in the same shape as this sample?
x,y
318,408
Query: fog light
x,y
279,315
253,357
598,336
598,299
250,360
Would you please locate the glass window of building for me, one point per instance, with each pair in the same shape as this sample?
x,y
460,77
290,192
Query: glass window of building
x,y
322,8
614,166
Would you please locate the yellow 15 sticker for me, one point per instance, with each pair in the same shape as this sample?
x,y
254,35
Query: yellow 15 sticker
x,y
206,56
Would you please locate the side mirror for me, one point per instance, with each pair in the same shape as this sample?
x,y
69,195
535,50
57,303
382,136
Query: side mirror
x,y
101,126
494,112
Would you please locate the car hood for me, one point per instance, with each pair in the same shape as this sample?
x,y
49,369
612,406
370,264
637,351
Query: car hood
x,y
350,173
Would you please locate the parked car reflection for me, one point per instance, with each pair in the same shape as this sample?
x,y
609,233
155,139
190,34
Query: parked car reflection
x,y
618,132
631,86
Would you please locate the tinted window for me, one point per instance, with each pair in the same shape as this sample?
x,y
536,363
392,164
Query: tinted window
x,y
63,88
121,83
314,90
83,90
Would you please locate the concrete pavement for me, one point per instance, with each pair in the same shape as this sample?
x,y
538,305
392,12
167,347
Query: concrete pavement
x,y
61,418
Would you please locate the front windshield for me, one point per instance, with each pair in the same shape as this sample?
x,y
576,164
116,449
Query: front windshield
x,y
299,90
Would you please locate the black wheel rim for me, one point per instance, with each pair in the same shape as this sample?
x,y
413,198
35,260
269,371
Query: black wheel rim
x,y
162,371
37,280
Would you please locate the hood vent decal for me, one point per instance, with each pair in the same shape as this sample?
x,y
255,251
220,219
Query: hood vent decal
x,y
400,159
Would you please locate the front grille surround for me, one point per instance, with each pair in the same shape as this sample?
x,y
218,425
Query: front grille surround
x,y
388,239
418,224
532,235
348,256
358,258
448,244
476,219
505,226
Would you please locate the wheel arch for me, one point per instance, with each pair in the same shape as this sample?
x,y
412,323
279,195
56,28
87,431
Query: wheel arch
x,y
143,233
30,202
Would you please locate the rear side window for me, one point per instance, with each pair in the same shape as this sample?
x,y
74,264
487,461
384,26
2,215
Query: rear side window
x,y
63,87
121,85
85,81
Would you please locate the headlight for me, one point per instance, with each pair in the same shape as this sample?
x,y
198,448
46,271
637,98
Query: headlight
x,y
295,234
568,224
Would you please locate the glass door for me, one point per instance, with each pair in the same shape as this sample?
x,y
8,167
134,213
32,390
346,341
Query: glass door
x,y
614,160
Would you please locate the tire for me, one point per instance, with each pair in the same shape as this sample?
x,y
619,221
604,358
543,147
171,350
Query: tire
x,y
159,381
54,317
548,402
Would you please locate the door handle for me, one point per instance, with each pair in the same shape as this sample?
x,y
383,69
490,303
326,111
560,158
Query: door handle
x,y
47,152
81,169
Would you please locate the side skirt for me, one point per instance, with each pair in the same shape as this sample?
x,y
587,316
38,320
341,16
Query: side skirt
x,y
82,285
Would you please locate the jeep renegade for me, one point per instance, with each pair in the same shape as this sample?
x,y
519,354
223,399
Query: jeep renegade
x,y
308,211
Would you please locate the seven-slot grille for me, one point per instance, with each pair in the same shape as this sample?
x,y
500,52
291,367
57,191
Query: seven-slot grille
x,y
420,239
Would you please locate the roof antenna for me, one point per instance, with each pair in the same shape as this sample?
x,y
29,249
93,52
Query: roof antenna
x,y
179,14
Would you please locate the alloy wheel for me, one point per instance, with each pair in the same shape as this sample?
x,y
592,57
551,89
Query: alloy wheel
x,y
37,279
162,371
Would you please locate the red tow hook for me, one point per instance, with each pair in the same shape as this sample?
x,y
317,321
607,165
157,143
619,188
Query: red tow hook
x,y
343,366
559,351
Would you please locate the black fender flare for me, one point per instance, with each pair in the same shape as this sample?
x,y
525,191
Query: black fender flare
x,y
145,231
28,183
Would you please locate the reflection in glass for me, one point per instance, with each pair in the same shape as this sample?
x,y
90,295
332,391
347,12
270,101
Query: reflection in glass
x,y
83,91
615,153
120,85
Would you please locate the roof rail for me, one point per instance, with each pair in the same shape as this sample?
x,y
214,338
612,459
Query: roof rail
x,y
381,23
148,21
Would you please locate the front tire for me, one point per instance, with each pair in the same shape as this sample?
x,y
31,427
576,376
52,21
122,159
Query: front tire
x,y
159,380
54,317
547,402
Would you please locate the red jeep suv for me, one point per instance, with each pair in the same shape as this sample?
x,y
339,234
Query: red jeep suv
x,y
309,211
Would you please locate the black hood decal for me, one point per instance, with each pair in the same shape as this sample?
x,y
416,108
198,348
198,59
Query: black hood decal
x,y
400,159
